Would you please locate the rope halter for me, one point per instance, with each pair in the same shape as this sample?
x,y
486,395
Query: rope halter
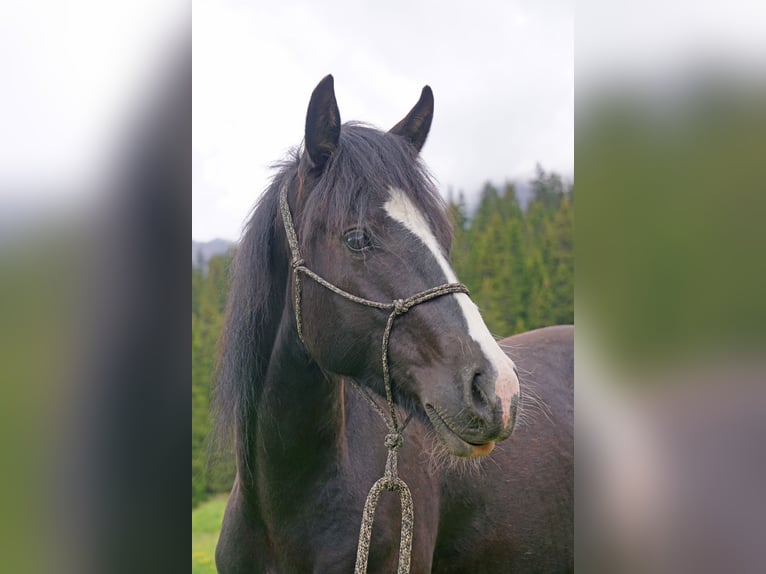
x,y
394,439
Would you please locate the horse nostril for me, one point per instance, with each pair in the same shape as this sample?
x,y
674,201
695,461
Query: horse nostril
x,y
477,394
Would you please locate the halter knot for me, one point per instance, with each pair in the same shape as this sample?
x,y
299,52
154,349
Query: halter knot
x,y
391,480
393,441
297,262
401,306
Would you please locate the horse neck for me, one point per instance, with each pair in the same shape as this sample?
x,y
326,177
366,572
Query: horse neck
x,y
300,422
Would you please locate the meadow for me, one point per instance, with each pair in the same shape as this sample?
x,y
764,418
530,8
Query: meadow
x,y
206,522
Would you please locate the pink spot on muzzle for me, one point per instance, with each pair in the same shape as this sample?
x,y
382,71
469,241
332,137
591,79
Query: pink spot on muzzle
x,y
506,388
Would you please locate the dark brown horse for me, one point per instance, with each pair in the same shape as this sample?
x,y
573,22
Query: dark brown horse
x,y
369,220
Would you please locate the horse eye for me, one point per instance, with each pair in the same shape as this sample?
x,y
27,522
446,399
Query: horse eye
x,y
357,240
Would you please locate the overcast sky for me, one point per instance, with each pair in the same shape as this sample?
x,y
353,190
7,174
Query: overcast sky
x,y
502,75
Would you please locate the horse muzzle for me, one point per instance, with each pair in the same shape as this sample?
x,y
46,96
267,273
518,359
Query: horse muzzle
x,y
472,405
472,429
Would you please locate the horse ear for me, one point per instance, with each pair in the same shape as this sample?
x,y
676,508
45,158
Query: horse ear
x,y
322,124
414,127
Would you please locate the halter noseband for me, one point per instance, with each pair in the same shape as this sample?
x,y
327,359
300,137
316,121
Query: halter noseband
x,y
393,441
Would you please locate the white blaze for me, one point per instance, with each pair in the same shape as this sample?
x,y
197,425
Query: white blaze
x,y
401,209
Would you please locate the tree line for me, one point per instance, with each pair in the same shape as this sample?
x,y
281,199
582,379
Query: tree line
x,y
209,292
516,258
518,262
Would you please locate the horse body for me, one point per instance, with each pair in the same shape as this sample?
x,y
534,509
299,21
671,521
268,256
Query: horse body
x,y
516,513
309,447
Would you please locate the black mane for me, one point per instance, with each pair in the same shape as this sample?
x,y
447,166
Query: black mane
x,y
366,163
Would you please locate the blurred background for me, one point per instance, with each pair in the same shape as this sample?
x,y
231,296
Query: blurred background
x,y
95,125
670,283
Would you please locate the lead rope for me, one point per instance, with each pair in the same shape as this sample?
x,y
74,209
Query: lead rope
x,y
394,439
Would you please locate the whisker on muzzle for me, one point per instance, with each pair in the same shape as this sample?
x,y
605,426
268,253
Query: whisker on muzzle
x,y
438,458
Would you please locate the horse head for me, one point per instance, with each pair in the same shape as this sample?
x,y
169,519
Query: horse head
x,y
368,220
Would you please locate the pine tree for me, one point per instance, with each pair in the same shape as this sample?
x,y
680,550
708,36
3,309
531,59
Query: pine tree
x,y
562,264
540,297
547,188
209,294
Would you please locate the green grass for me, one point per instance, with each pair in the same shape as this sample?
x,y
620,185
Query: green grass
x,y
206,523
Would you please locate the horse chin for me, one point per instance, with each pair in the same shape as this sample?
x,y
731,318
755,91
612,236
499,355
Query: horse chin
x,y
455,445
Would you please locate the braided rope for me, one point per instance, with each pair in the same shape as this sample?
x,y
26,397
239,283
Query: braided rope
x,y
394,440
391,482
